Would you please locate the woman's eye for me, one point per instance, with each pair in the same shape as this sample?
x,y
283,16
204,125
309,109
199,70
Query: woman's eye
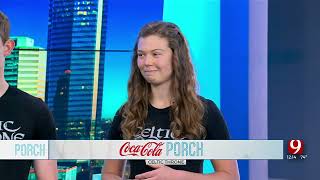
x,y
140,55
156,54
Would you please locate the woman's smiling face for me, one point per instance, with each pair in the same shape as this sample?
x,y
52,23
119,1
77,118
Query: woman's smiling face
x,y
155,59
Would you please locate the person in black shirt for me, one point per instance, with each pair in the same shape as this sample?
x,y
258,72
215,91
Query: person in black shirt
x,y
22,117
163,105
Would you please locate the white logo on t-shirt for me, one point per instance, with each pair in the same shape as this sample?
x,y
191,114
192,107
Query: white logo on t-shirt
x,y
155,134
7,132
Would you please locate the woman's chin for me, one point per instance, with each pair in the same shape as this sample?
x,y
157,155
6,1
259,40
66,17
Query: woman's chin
x,y
152,82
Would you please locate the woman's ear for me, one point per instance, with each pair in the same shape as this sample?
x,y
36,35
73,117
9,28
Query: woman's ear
x,y
8,47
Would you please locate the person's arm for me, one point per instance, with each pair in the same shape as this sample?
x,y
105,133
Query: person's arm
x,y
46,169
224,169
45,130
112,169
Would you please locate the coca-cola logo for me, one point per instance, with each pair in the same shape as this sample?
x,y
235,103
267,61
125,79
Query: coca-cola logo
x,y
147,149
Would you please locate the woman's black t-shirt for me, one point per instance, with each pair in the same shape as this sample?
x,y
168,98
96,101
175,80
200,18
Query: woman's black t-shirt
x,y
157,127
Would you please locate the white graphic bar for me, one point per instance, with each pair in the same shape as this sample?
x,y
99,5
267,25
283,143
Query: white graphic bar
x,y
173,149
24,149
142,149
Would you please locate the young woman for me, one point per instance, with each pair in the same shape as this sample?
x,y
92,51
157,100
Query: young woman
x,y
163,105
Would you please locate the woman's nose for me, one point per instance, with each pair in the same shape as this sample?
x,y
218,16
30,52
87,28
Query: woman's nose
x,y
148,60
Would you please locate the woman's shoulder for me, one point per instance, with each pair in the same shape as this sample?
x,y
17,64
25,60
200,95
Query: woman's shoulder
x,y
209,105
120,110
214,121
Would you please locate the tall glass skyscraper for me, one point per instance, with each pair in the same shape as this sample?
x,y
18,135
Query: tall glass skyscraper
x,y
76,34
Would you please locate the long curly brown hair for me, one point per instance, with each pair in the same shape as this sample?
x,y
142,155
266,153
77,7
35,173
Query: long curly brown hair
x,y
186,110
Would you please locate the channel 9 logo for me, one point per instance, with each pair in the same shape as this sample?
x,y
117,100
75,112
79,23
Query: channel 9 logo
x,y
296,149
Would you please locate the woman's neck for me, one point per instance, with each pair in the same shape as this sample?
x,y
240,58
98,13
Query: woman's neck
x,y
161,96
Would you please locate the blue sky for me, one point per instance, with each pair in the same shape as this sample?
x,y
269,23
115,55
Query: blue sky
x,y
28,18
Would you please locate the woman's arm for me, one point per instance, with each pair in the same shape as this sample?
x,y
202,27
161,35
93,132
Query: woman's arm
x,y
224,169
46,169
112,169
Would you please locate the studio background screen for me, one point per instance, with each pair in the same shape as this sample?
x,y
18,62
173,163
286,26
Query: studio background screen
x,y
76,56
